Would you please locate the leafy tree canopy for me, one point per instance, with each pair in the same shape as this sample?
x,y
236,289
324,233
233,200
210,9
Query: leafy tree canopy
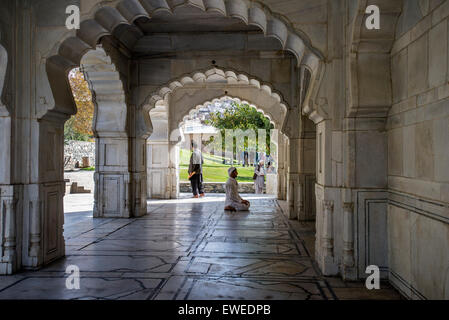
x,y
239,116
244,117
79,126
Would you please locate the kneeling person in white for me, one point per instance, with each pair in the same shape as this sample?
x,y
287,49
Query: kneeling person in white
x,y
233,200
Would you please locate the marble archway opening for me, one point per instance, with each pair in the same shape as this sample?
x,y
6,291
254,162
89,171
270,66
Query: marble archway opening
x,y
108,40
79,150
223,149
170,105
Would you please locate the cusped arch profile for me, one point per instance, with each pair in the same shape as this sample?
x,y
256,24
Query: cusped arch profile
x,y
176,133
108,94
105,18
213,75
227,98
238,85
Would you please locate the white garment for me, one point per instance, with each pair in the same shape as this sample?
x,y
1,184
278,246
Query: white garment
x,y
260,180
233,198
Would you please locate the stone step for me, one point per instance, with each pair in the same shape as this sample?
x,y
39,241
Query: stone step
x,y
74,188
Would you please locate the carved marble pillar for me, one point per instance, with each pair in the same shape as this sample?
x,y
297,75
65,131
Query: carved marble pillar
x,y
116,148
35,231
112,178
348,242
139,177
328,240
96,194
301,214
9,245
281,167
160,170
293,196
328,265
174,174
293,199
280,194
285,180
307,170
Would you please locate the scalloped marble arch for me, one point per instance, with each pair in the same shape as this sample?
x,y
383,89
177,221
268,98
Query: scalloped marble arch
x,y
223,99
108,94
107,16
213,76
111,14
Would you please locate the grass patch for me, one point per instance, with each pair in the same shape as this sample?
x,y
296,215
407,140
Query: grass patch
x,y
213,169
88,169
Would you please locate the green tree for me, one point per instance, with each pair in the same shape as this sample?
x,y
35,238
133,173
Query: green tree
x,y
79,126
244,117
71,133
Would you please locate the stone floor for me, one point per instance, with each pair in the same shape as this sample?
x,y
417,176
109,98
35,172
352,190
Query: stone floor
x,y
82,177
187,249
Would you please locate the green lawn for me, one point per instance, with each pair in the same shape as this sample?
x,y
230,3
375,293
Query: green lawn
x,y
213,169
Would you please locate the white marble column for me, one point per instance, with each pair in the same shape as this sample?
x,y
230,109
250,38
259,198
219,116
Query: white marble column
x,y
8,262
281,168
174,172
139,177
116,147
112,178
328,264
35,230
293,198
348,271
160,179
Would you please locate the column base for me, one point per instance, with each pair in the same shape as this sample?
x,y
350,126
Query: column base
x,y
349,273
7,268
292,215
328,266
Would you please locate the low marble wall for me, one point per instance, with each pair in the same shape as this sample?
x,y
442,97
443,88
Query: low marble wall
x,y
217,187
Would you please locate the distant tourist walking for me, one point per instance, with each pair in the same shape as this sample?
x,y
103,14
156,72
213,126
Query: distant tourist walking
x,y
259,177
196,171
233,200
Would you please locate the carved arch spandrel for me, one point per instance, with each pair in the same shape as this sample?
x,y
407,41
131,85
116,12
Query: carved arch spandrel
x,y
224,99
219,80
105,17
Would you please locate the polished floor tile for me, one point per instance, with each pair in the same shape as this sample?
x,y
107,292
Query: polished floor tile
x,y
187,249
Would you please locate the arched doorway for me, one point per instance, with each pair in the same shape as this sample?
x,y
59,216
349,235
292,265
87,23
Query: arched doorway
x,y
226,147
172,103
126,34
